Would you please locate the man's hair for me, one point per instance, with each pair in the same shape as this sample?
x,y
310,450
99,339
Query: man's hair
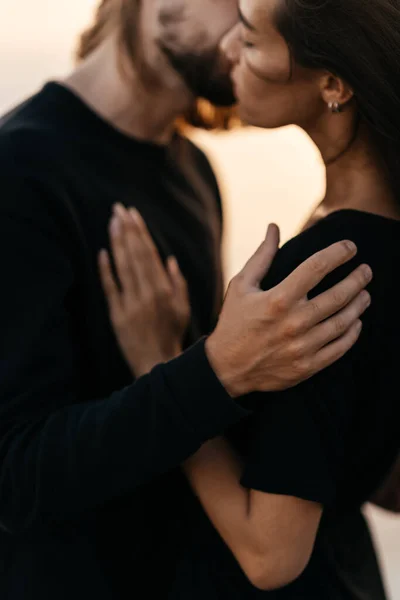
x,y
121,16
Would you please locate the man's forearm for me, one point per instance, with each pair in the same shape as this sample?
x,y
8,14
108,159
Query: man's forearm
x,y
77,458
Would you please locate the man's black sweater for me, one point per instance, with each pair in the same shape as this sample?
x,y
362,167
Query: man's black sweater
x,y
83,448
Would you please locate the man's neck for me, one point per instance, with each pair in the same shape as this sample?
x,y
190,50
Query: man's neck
x,y
131,105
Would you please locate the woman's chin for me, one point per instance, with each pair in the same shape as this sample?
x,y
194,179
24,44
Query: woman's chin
x,y
249,118
245,115
263,121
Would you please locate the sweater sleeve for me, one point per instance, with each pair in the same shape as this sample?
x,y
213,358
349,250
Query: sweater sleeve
x,y
301,436
60,454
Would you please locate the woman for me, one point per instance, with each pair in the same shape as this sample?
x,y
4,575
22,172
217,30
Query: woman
x,y
276,489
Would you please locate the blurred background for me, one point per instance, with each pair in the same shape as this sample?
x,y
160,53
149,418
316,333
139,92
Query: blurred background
x,y
265,176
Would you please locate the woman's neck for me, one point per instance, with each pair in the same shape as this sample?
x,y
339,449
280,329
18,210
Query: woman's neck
x,y
357,180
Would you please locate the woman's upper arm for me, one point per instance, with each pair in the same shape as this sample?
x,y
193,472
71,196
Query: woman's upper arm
x,y
292,471
287,527
297,441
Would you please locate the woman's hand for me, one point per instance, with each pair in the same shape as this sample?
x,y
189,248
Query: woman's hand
x,y
150,309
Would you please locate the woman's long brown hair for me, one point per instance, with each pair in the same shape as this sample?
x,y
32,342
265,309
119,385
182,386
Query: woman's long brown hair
x,y
359,41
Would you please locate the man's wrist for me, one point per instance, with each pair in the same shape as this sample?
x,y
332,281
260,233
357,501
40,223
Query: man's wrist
x,y
200,395
229,377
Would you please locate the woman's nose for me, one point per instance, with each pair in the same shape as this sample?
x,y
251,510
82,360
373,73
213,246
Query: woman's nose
x,y
231,44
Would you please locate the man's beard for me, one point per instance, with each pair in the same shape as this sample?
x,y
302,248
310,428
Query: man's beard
x,y
207,75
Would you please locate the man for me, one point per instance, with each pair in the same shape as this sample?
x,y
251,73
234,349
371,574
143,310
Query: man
x,y
84,451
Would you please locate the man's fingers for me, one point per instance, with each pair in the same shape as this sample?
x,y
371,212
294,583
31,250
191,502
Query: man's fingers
x,y
334,351
312,271
108,282
258,265
339,324
333,300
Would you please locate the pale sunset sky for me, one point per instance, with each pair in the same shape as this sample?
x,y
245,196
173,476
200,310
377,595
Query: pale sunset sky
x,y
265,176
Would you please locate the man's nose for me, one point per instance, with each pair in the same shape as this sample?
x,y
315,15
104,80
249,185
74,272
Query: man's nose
x,y
231,44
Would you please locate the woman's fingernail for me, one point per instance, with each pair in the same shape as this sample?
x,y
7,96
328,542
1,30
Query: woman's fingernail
x,y
119,209
135,215
351,247
115,226
367,272
366,298
173,262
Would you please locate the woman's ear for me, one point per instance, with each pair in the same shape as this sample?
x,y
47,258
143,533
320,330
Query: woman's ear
x,y
335,91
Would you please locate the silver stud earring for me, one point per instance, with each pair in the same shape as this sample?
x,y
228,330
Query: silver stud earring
x,y
335,107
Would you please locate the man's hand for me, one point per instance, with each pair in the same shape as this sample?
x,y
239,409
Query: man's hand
x,y
273,340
